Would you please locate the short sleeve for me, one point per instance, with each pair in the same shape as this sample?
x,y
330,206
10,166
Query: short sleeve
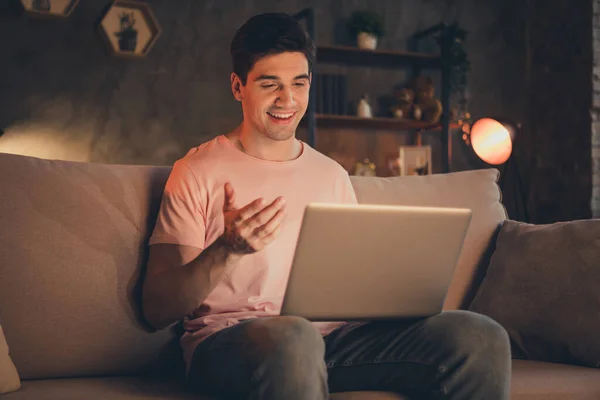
x,y
181,218
347,191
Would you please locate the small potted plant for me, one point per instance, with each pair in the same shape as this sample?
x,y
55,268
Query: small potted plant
x,y
127,34
41,5
367,27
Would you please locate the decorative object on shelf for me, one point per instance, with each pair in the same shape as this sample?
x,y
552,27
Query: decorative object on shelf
x,y
364,109
417,113
365,168
403,106
367,27
129,28
393,164
415,160
56,8
425,99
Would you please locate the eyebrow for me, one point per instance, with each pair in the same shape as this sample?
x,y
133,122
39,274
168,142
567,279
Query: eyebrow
x,y
275,78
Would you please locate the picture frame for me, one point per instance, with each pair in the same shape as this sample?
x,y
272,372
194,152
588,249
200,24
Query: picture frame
x,y
415,160
129,29
49,8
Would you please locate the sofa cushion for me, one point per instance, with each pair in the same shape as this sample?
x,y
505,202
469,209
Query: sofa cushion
x,y
476,190
137,388
74,239
9,378
102,388
532,380
542,286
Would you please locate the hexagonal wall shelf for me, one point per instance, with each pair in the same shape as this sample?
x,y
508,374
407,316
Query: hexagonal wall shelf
x,y
129,28
55,8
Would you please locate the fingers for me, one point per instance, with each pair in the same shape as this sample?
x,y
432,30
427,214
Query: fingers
x,y
262,216
271,229
252,227
229,203
249,210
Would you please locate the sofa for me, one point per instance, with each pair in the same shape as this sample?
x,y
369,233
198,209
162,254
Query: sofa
x,y
73,246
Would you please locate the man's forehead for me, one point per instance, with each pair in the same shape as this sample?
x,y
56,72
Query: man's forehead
x,y
282,66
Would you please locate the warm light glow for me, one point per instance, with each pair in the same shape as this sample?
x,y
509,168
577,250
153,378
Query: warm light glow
x,y
43,141
491,141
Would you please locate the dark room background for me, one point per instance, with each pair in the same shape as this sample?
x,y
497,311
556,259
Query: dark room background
x,y
62,96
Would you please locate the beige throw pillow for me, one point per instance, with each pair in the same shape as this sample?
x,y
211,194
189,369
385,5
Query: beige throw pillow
x,y
9,378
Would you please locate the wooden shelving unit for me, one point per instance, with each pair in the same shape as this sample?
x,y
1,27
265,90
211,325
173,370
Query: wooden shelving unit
x,y
347,55
350,121
354,122
352,56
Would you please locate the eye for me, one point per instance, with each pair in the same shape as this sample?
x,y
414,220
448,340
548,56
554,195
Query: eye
x,y
268,85
300,84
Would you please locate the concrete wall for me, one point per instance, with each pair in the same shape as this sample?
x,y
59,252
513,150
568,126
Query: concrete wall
x,y
558,141
61,96
595,204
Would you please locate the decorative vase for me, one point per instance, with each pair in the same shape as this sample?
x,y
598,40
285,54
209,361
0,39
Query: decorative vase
x,y
417,113
364,109
366,41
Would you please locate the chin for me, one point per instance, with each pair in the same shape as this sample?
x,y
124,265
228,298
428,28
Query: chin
x,y
281,135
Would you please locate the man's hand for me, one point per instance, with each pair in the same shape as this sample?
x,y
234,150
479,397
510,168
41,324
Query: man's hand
x,y
250,228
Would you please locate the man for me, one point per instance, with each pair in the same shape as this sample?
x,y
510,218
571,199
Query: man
x,y
223,245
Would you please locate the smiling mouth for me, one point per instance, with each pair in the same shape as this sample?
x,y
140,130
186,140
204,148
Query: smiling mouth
x,y
281,117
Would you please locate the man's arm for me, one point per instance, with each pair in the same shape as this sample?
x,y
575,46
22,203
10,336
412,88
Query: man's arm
x,y
179,278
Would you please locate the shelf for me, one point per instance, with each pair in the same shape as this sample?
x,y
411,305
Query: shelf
x,y
351,121
386,58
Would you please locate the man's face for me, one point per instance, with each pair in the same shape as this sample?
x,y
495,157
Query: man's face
x,y
275,96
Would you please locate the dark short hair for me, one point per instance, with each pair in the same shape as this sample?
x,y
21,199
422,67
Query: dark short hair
x,y
267,34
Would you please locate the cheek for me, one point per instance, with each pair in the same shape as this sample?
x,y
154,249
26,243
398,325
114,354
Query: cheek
x,y
256,105
304,96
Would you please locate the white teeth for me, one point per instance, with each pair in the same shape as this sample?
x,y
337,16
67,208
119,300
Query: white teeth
x,y
281,116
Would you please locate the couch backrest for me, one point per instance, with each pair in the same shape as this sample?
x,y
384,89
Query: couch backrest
x,y
73,239
73,243
476,190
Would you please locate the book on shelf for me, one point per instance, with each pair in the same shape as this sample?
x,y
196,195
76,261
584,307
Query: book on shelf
x,y
331,94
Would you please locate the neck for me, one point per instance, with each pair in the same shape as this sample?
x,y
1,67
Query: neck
x,y
259,146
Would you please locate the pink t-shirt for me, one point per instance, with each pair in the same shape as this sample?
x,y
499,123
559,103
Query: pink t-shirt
x,y
191,214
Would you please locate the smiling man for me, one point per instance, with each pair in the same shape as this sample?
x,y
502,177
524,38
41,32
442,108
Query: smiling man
x,y
222,248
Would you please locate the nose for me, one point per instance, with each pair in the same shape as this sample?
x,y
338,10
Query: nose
x,y
286,98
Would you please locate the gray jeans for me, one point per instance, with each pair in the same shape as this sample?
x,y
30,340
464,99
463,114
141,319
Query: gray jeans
x,y
452,355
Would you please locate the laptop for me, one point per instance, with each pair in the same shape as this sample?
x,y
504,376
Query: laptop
x,y
374,262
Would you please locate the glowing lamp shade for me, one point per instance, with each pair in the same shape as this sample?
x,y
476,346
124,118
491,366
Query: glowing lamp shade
x,y
491,141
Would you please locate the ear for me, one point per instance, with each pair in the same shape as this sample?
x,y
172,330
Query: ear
x,y
236,86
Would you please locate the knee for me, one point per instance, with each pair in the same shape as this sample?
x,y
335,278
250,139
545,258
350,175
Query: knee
x,y
476,338
286,340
